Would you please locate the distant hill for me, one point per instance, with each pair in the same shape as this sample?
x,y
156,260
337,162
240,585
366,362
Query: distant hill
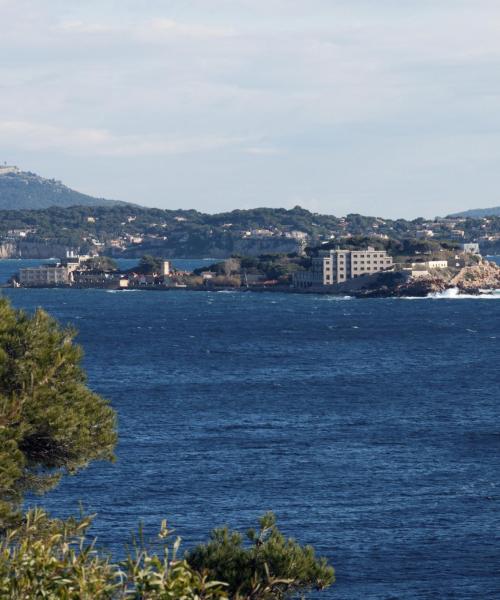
x,y
478,213
25,190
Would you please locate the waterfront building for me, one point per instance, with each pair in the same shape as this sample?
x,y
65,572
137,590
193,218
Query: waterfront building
x,y
46,275
95,278
430,264
338,266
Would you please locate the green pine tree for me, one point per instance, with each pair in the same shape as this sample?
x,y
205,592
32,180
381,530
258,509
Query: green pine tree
x,y
50,422
270,567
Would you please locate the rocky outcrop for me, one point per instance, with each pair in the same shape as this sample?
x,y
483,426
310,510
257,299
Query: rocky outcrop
x,y
483,276
421,287
397,284
471,279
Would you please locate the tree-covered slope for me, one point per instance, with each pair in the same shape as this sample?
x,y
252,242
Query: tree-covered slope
x,y
131,230
479,213
26,190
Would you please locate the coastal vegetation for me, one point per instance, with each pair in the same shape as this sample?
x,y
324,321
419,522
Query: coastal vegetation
x,y
266,267
101,263
52,424
397,247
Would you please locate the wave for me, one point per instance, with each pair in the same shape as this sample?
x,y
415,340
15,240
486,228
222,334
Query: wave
x,y
454,294
337,298
121,291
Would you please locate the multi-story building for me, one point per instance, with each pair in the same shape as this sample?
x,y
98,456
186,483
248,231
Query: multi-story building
x,y
53,274
337,266
46,275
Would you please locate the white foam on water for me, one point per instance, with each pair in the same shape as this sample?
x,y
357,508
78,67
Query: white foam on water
x,y
337,298
121,291
454,294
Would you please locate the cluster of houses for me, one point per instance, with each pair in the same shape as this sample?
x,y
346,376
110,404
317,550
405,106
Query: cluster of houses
x,y
74,271
328,268
164,234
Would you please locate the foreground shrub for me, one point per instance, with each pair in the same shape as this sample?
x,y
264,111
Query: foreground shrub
x,y
55,560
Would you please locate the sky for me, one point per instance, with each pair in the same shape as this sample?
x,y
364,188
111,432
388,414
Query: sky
x,y
379,107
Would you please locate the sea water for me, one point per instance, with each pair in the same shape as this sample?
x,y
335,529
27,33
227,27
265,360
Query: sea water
x,y
370,427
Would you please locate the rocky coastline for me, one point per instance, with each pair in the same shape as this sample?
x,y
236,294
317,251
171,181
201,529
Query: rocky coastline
x,y
478,277
472,280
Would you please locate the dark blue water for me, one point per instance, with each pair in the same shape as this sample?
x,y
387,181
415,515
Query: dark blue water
x,y
371,427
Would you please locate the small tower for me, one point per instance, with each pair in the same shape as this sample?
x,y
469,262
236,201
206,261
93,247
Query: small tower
x,y
165,268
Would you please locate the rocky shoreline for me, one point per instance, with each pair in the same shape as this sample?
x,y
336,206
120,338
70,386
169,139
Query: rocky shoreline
x,y
471,280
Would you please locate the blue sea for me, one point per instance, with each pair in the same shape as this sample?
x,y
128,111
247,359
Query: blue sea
x,y
370,427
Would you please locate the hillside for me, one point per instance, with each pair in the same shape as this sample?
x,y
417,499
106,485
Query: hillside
x,y
479,213
25,190
132,231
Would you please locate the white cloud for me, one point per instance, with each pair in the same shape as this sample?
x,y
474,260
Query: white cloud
x,y
262,150
152,31
168,27
81,27
43,137
288,79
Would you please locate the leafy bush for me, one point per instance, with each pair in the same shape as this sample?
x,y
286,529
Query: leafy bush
x,y
54,560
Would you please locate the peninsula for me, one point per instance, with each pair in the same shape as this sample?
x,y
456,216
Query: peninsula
x,y
355,269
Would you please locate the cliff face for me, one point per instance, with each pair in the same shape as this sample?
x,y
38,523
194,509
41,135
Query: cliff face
x,y
8,250
32,250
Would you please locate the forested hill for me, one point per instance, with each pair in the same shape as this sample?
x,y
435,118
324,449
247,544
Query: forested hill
x,y
129,230
106,223
26,190
478,213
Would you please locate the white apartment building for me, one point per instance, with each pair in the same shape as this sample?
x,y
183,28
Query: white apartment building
x,y
337,266
47,275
